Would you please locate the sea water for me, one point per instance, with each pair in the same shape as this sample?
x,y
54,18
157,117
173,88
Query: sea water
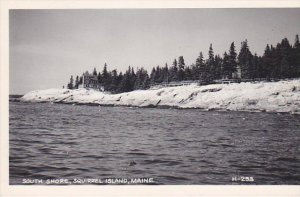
x,y
115,145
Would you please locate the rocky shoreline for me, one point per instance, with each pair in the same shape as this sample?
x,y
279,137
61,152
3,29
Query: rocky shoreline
x,y
282,96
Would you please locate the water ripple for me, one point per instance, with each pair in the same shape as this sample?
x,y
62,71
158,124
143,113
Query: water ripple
x,y
171,146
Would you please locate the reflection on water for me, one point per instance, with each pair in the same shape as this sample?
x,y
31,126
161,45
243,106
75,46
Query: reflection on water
x,y
172,146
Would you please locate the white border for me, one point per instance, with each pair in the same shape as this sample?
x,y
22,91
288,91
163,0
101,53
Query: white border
x,y
7,190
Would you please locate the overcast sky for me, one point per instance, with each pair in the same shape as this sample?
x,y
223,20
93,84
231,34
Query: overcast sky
x,y
48,46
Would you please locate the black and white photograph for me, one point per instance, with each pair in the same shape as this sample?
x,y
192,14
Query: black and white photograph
x,y
154,96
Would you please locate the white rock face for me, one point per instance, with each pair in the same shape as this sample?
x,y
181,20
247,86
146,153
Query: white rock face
x,y
282,96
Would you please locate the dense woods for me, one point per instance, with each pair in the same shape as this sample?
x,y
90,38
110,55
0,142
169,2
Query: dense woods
x,y
278,62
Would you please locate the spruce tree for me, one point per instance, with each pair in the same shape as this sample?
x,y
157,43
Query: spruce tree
x,y
114,81
132,78
181,66
166,74
210,66
286,68
173,71
232,59
120,81
137,83
126,85
194,72
226,67
276,61
296,55
159,77
104,73
255,66
297,43
145,81
188,75
261,72
95,72
71,83
142,79
77,82
267,63
105,77
152,76
218,67
81,80
200,67
245,61
99,78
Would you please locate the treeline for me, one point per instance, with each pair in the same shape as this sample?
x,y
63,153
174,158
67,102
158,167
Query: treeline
x,y
278,62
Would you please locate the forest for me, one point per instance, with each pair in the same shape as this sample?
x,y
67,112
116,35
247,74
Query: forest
x,y
277,62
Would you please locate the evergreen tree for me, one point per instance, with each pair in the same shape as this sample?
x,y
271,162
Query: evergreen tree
x,y
132,78
71,83
105,77
141,79
245,61
267,63
95,72
296,55
120,85
166,73
210,66
226,67
276,61
200,67
145,81
137,83
126,84
81,80
194,72
188,75
159,77
210,54
105,72
99,78
114,81
297,44
181,66
261,71
174,71
286,68
255,66
232,59
218,67
76,82
153,76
